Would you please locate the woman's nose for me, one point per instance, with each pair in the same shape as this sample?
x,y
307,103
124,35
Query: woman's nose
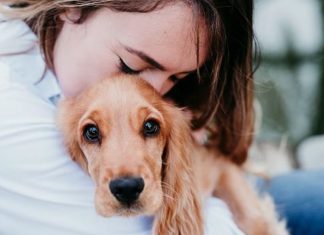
x,y
160,81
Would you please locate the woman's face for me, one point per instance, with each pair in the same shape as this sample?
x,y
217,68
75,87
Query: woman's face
x,y
159,45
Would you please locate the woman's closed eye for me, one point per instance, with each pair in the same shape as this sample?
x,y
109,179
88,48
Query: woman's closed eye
x,y
123,67
174,79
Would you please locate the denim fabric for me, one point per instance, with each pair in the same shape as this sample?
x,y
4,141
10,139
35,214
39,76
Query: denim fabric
x,y
299,198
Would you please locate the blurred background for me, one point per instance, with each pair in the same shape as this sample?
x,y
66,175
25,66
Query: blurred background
x,y
289,85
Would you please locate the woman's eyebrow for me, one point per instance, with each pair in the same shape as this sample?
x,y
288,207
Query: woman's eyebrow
x,y
146,58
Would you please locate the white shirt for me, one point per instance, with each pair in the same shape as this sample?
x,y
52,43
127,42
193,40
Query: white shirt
x,y
42,191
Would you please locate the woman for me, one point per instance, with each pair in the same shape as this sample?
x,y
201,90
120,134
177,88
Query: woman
x,y
196,52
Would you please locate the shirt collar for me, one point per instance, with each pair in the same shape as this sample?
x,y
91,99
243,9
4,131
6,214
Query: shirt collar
x,y
49,88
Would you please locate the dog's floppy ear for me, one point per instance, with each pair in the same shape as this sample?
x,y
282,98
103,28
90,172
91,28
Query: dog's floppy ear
x,y
69,114
180,213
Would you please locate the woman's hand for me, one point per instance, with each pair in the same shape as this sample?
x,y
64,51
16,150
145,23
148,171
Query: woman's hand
x,y
201,136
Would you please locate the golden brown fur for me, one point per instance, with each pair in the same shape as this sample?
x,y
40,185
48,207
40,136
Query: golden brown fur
x,y
177,172
219,177
163,161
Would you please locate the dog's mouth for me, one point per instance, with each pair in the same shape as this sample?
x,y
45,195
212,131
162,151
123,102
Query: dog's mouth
x,y
128,196
146,204
131,209
124,198
108,209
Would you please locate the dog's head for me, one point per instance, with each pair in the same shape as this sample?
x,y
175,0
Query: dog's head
x,y
135,146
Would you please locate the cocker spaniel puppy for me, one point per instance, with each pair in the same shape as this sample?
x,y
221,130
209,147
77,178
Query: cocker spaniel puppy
x,y
139,151
136,147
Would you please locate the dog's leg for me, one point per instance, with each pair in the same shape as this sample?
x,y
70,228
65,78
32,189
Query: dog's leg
x,y
254,216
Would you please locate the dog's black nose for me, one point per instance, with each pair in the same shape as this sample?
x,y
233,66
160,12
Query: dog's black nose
x,y
127,189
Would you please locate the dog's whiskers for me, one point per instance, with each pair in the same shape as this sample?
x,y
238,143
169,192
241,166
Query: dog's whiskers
x,y
169,197
168,186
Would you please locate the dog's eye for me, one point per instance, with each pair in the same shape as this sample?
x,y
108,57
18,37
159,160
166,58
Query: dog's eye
x,y
91,133
151,128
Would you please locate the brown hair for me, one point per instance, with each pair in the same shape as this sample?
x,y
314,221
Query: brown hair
x,y
222,97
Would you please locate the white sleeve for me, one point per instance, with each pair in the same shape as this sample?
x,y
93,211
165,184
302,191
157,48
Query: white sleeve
x,y
4,74
219,219
43,192
15,36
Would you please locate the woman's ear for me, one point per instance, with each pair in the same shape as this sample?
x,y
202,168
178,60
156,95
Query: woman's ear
x,y
181,209
71,15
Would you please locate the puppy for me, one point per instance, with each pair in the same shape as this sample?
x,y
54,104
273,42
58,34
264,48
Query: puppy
x,y
136,148
139,152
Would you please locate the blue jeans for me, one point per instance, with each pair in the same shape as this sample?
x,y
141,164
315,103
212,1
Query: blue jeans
x,y
299,198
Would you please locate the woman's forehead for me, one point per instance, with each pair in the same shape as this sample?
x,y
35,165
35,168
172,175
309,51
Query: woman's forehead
x,y
168,35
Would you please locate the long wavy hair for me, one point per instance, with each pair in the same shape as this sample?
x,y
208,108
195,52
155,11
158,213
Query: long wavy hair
x,y
220,93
